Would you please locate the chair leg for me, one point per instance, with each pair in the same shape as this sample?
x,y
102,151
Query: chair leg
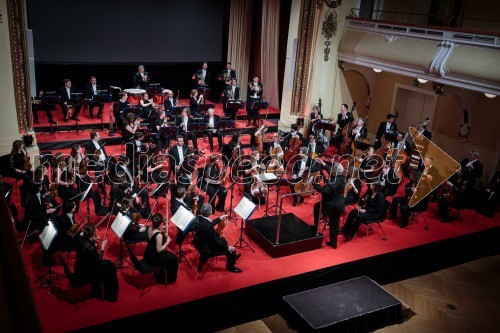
x,y
204,270
383,231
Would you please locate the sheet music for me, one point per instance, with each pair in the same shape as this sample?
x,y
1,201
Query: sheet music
x,y
245,208
48,234
267,176
120,224
182,218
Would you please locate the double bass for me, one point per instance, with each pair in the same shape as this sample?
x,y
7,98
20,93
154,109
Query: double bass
x,y
293,149
346,142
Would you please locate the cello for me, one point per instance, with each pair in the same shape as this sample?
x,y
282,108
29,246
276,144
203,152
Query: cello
x,y
306,183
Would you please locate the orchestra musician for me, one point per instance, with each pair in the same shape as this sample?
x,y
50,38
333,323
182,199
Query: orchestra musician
x,y
135,231
178,153
298,170
202,76
332,196
184,123
20,162
65,92
227,74
371,208
161,141
131,126
38,105
65,185
314,148
389,180
343,119
211,243
250,169
211,119
98,159
214,176
120,109
352,190
148,107
294,133
141,78
386,127
490,197
315,116
358,133
36,212
169,103
48,193
254,95
370,164
180,200
194,103
231,93
90,267
90,91
135,147
157,253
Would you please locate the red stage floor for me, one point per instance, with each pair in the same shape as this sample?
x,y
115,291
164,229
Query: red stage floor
x,y
69,308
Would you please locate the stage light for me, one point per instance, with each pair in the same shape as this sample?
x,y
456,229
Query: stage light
x,y
422,80
490,95
376,70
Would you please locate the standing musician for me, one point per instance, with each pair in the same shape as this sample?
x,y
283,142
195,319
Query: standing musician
x,y
388,180
141,78
90,267
38,105
371,208
227,74
177,154
131,126
98,159
65,93
212,244
184,123
211,119
119,112
358,133
157,254
315,116
215,179
169,103
385,127
343,118
254,95
231,93
194,103
90,91
332,196
202,76
162,142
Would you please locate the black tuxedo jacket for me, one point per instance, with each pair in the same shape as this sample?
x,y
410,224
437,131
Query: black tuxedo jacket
x,y
207,76
471,176
168,105
232,73
64,94
139,82
363,134
89,92
382,127
131,150
342,123
376,205
333,195
208,240
286,142
318,148
216,120
90,147
174,155
236,95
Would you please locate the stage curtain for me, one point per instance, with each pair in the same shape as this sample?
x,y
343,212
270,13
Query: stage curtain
x,y
238,49
269,50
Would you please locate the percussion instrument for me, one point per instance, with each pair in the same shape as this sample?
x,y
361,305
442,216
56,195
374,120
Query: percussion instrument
x,y
134,95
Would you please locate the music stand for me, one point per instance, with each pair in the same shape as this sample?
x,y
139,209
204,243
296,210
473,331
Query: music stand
x,y
204,108
231,188
271,177
182,219
177,110
101,98
47,237
78,103
119,226
50,101
259,105
244,209
224,124
324,126
235,105
84,197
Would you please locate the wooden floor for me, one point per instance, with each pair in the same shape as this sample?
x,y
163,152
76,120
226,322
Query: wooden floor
x,y
464,298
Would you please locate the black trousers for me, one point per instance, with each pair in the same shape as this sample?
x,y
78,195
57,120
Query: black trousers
x,y
190,136
354,220
45,108
100,106
221,193
211,135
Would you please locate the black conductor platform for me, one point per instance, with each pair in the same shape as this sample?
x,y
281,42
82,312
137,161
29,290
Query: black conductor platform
x,y
295,236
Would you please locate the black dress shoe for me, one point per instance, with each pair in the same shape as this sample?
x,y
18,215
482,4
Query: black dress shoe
x,y
99,115
404,225
65,119
446,220
91,117
37,122
234,269
334,245
52,121
294,203
347,238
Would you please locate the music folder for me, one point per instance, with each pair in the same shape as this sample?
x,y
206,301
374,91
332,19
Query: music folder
x,y
260,105
84,196
245,208
182,218
233,104
120,224
48,234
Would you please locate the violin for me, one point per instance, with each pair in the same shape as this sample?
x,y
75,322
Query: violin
x,y
27,161
220,227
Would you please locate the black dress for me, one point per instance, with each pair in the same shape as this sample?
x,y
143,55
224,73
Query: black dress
x,y
91,268
165,258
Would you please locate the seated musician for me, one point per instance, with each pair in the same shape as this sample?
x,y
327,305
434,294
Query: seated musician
x,y
178,201
332,196
352,190
371,208
131,126
313,147
402,202
39,105
136,231
49,191
98,159
157,253
369,165
215,178
356,134
66,94
194,103
119,189
20,164
231,93
211,119
148,107
65,185
211,243
385,127
489,199
460,193
343,119
162,142
169,103
135,147
36,212
90,91
254,95
248,170
298,170
184,123
141,78
389,180
120,110
228,150
202,76
90,267
294,133
150,171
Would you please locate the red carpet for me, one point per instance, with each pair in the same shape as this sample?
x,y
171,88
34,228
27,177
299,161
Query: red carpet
x,y
69,308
